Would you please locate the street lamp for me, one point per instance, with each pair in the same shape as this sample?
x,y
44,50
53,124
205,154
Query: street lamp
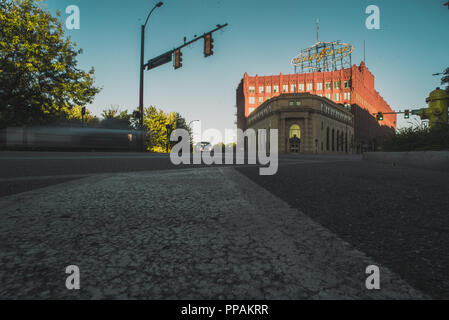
x,y
142,57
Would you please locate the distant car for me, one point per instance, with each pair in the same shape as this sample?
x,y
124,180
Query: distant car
x,y
203,147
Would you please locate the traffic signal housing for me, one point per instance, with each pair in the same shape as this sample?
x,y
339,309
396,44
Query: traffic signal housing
x,y
380,116
178,59
208,45
407,114
136,115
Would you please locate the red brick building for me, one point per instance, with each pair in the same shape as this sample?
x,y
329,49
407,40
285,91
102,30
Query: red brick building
x,y
354,86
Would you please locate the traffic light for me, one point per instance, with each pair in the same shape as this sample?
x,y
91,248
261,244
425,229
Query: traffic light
x,y
380,116
208,45
136,115
407,114
83,111
178,59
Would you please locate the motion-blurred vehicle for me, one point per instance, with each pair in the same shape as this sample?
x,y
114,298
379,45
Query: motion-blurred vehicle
x,y
69,139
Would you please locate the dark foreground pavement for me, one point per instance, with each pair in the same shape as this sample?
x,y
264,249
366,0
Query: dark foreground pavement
x,y
137,225
397,215
208,233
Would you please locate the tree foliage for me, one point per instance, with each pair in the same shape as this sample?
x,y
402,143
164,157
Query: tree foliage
x,y
419,138
39,77
115,118
74,116
445,79
155,123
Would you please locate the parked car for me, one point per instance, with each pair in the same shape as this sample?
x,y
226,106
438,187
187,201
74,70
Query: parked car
x,y
203,147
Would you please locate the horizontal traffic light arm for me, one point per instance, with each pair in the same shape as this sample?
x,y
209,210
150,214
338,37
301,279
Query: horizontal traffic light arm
x,y
158,61
415,112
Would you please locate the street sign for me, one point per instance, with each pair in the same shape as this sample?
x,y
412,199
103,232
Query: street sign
x,y
160,60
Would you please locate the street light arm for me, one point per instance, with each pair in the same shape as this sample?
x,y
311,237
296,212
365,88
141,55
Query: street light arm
x,y
148,18
159,4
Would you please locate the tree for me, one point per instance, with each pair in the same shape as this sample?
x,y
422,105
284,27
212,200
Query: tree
x,y
445,79
74,116
39,77
115,118
155,124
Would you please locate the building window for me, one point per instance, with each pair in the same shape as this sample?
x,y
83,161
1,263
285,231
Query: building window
x,y
260,99
291,103
295,131
293,88
252,89
328,85
347,83
252,100
285,88
337,85
309,86
267,98
260,89
276,89
320,95
251,110
327,139
347,95
328,95
268,89
337,97
298,102
301,87
319,86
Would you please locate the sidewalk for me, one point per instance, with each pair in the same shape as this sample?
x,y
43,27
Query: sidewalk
x,y
177,234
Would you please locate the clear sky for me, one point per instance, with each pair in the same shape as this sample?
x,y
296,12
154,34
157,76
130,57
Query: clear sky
x,y
262,38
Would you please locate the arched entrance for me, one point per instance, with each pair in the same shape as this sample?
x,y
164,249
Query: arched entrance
x,y
294,142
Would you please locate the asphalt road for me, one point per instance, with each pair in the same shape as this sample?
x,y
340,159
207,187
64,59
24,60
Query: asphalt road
x,y
398,216
24,171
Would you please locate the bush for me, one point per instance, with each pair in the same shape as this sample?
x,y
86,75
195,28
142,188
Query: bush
x,y
419,138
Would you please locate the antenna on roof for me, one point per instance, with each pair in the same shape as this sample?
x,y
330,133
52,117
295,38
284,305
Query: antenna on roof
x,y
364,52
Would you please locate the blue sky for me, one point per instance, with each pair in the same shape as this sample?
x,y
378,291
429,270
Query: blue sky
x,y
261,38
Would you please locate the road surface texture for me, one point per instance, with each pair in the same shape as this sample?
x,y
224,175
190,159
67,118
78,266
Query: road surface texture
x,y
24,171
397,215
204,233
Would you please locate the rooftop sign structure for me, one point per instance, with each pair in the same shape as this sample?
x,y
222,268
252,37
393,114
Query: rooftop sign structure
x,y
324,56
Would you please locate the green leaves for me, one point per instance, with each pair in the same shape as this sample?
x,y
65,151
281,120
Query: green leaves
x,y
39,73
155,122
